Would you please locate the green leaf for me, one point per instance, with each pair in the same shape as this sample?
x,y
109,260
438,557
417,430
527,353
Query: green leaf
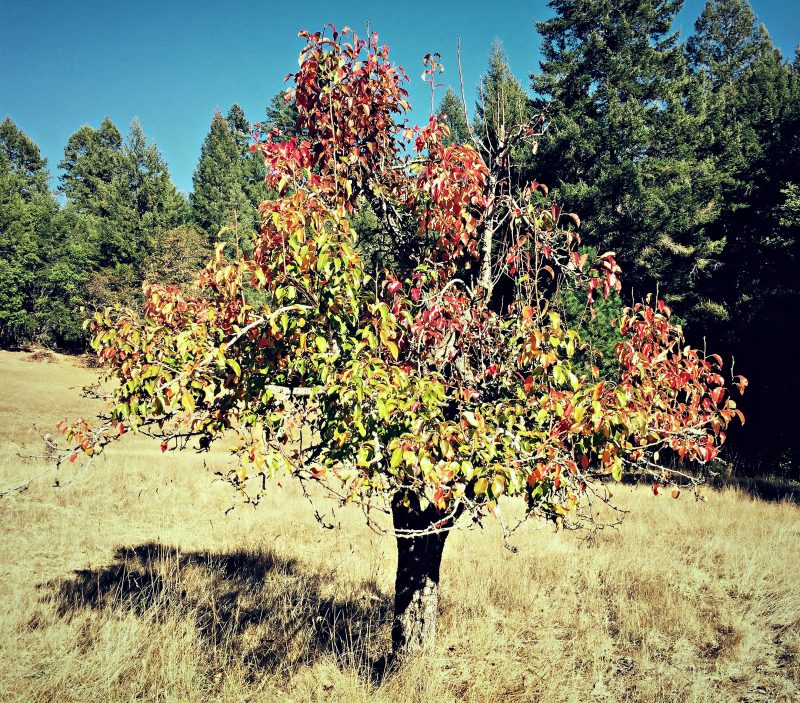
x,y
616,471
397,457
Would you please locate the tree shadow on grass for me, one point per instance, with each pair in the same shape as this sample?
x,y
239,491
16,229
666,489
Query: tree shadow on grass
x,y
255,607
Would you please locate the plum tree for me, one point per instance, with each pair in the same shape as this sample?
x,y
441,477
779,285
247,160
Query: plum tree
x,y
429,391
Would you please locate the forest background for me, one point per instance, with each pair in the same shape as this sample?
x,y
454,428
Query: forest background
x,y
682,155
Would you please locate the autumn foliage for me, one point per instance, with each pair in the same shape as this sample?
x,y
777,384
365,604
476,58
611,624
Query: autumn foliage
x,y
439,387
424,384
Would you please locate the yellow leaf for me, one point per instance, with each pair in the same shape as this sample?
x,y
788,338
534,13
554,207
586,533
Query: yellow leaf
x,y
498,485
187,400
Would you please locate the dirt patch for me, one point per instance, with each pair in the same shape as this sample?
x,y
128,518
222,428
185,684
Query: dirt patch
x,y
42,356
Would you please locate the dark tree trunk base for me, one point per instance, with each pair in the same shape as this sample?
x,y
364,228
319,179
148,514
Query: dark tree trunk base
x,y
416,598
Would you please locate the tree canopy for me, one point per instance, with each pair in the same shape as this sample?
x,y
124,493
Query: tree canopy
x,y
427,395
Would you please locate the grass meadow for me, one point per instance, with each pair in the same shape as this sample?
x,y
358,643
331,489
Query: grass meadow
x,y
129,582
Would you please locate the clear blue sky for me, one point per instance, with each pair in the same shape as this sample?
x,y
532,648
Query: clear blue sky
x,y
169,63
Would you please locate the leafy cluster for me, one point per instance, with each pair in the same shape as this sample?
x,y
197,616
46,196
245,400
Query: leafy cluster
x,y
432,385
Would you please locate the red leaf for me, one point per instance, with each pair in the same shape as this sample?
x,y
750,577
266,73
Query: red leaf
x,y
163,447
73,457
528,384
655,489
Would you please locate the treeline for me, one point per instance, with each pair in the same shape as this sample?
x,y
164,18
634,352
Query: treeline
x,y
684,158
681,156
119,222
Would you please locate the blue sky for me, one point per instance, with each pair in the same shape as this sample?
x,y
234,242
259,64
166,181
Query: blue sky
x,y
65,64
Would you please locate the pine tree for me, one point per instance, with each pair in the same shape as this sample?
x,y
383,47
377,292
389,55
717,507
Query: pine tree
x,y
453,107
226,193
751,119
282,114
25,203
24,159
252,167
43,249
91,157
619,147
503,105
19,256
143,201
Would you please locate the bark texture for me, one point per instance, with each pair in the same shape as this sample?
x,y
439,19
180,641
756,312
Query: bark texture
x,y
416,595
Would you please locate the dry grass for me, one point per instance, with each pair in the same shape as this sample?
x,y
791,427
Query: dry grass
x,y
131,583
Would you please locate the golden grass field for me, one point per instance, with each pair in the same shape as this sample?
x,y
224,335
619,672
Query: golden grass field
x,y
130,583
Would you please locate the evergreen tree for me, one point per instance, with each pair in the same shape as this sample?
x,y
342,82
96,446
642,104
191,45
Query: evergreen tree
x,y
91,158
751,113
619,147
726,42
226,193
19,256
503,105
143,201
23,159
252,167
44,251
69,258
452,106
282,114
25,203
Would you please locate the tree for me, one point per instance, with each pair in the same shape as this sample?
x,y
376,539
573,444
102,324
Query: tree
x,y
91,158
45,251
452,109
25,206
503,106
123,193
282,113
177,256
251,167
69,257
620,143
143,202
24,159
426,399
749,119
726,42
224,200
20,252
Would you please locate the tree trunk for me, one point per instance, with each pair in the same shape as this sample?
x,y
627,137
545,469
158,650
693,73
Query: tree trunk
x,y
416,594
